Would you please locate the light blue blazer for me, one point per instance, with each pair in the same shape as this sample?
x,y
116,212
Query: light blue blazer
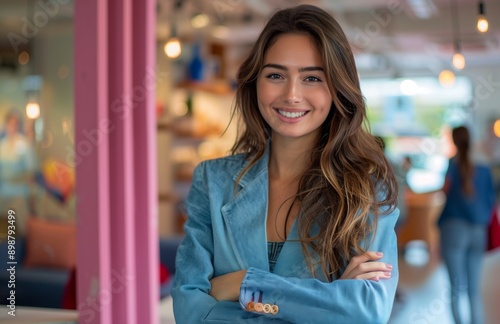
x,y
226,232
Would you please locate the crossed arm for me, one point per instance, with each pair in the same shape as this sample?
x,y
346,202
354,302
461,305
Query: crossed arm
x,y
227,287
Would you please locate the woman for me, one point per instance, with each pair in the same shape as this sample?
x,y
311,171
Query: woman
x,y
17,169
463,225
298,224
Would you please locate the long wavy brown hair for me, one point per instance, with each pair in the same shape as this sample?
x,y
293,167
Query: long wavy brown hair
x,y
461,139
348,170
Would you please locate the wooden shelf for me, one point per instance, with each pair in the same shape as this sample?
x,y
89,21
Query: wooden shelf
x,y
220,87
169,197
162,126
189,128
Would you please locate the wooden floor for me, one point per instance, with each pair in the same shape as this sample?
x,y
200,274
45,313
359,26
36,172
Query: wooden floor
x,y
425,293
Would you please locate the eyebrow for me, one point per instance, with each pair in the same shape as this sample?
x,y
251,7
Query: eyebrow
x,y
302,69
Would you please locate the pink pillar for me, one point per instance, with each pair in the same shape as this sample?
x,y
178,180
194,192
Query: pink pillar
x,y
146,196
115,155
121,168
92,162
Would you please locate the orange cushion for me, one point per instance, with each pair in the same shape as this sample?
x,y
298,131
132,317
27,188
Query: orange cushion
x,y
59,176
50,244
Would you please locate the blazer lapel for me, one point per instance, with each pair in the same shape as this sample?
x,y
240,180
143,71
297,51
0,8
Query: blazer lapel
x,y
245,217
291,261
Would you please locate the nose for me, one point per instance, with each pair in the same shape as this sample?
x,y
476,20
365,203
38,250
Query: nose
x,y
292,92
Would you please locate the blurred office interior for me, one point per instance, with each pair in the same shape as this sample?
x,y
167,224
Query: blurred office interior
x,y
425,66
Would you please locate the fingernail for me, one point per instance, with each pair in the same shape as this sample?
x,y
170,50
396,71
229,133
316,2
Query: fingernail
x,y
379,253
388,266
387,274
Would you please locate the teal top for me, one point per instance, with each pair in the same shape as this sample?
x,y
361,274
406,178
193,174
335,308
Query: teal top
x,y
273,251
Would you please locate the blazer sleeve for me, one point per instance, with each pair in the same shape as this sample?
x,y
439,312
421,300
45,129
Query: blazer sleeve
x,y
194,267
309,300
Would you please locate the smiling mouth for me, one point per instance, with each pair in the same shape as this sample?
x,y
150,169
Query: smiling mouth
x,y
289,114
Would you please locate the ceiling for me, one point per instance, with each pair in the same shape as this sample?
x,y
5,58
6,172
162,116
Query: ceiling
x,y
388,36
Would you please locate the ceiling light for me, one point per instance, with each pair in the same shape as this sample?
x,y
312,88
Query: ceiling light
x,y
200,21
496,128
482,22
33,110
458,59
446,78
173,48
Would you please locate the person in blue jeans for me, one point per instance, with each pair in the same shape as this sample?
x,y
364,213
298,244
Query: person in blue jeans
x,y
297,225
463,225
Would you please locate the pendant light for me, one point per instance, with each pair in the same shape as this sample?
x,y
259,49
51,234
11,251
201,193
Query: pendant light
x,y
482,22
32,85
173,47
33,110
458,59
446,78
496,128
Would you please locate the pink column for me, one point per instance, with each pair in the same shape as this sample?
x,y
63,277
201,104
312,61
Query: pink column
x,y
92,162
146,196
121,170
115,154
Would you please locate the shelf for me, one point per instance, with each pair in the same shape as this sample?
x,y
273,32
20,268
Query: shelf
x,y
164,126
220,87
168,197
190,128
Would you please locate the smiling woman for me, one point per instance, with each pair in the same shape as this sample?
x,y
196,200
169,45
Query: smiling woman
x,y
297,225
293,96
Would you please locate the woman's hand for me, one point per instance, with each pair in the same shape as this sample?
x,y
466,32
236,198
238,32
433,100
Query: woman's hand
x,y
227,287
362,267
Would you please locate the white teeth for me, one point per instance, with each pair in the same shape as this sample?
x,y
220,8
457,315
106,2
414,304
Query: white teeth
x,y
291,114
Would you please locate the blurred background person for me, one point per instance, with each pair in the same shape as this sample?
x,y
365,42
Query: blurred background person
x,y
17,169
463,225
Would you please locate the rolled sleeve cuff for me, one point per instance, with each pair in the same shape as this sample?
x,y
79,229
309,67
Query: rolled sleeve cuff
x,y
247,294
252,298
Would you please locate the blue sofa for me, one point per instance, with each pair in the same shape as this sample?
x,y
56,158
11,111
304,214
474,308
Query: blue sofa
x,y
44,287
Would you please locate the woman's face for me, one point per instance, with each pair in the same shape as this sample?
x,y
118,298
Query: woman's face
x,y
292,91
